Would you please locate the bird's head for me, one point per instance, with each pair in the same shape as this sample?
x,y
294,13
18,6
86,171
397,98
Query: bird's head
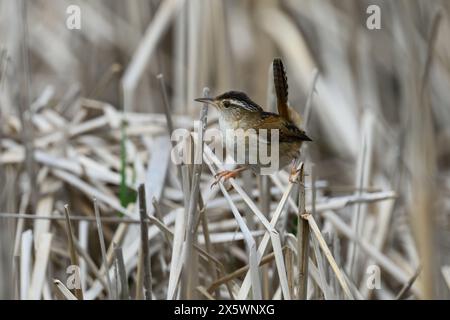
x,y
232,102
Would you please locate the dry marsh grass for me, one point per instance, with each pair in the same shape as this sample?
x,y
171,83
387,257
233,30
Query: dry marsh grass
x,y
85,156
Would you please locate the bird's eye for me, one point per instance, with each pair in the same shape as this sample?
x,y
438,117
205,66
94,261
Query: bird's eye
x,y
226,104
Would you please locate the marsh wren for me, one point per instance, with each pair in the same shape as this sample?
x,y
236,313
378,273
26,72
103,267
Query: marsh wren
x,y
238,111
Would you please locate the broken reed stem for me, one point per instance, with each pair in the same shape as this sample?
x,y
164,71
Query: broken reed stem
x,y
124,292
102,247
144,244
302,240
73,254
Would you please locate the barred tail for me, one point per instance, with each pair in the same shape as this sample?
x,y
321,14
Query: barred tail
x,y
281,87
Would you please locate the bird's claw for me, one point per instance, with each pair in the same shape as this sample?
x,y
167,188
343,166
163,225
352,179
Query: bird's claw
x,y
225,175
293,177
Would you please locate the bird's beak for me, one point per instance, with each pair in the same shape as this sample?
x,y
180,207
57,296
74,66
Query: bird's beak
x,y
206,100
304,137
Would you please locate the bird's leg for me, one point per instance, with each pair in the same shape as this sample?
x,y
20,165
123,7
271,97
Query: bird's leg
x,y
227,174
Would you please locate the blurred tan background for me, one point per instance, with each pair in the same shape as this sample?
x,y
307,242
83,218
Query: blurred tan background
x,y
380,114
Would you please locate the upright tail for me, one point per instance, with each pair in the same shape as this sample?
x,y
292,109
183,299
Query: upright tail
x,y
281,87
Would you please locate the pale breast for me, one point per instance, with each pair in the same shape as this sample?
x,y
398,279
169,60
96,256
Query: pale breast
x,y
285,154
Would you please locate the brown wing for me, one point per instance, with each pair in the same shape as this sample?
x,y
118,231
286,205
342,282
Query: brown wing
x,y
288,132
281,87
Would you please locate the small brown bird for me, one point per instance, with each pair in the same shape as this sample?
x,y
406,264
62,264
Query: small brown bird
x,y
238,111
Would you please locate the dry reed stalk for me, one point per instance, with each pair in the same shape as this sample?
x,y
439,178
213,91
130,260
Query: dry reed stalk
x,y
203,253
199,157
446,274
193,212
103,248
83,231
16,277
124,292
190,237
326,290
270,227
208,245
144,243
308,106
105,79
228,45
175,267
89,190
25,114
204,292
251,247
327,293
289,261
139,277
62,289
159,216
40,266
86,257
56,217
25,263
328,255
355,291
241,271
146,48
20,223
73,254
362,180
407,285
302,239
167,109
376,255
178,251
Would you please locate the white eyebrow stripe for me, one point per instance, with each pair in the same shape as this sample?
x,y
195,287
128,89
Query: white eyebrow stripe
x,y
243,104
239,103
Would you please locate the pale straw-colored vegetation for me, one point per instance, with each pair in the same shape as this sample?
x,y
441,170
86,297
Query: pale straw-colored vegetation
x,y
85,156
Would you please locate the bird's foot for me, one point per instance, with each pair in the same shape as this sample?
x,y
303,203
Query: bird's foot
x,y
225,175
293,176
